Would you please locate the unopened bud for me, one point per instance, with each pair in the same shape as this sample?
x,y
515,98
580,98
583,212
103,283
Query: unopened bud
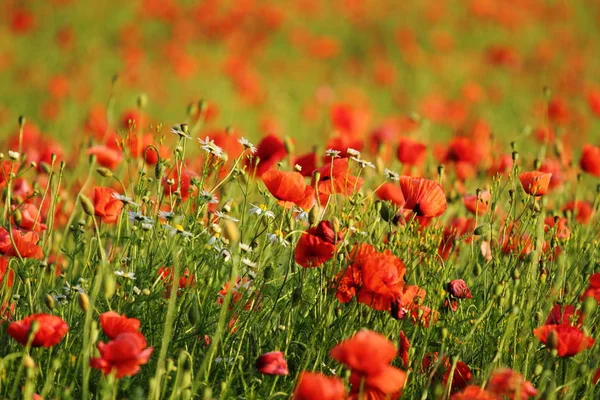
x,y
289,145
84,301
481,230
50,302
105,172
86,204
552,340
313,217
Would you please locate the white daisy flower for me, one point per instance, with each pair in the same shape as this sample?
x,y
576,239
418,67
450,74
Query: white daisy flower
x,y
247,145
277,237
210,147
128,275
333,153
124,199
178,230
246,247
261,209
178,130
249,263
208,197
353,152
222,215
391,175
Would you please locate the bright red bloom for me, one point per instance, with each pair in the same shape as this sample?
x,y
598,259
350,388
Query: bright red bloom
x,y
336,178
272,363
458,229
569,340
411,152
590,160
186,279
387,384
185,186
125,354
289,188
424,197
558,111
535,183
97,122
403,348
312,386
308,163
366,352
25,244
508,383
474,393
106,156
106,206
270,150
343,143
593,290
392,193
50,330
560,225
10,276
582,210
31,218
593,100
316,245
459,289
478,205
114,324
461,377
553,167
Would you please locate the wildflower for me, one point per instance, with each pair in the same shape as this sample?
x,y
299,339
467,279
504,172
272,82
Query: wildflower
x,y
6,273
221,215
582,210
272,363
106,156
124,199
459,289
249,263
50,330
178,130
411,152
567,340
246,248
168,215
261,210
13,155
269,152
333,153
289,188
210,147
136,216
25,244
247,145
178,230
313,385
125,354
363,163
509,383
392,193
106,206
114,324
423,196
460,378
473,393
335,178
316,245
391,175
403,349
208,197
277,237
478,204
127,275
535,183
593,290
30,218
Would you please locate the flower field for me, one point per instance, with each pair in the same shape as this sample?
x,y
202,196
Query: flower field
x,y
315,200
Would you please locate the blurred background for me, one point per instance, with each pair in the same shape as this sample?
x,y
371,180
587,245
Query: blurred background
x,y
293,67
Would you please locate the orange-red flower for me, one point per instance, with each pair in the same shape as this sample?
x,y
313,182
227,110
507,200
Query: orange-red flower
x,y
582,210
106,156
382,280
114,324
106,206
312,386
289,188
474,393
270,150
6,273
272,363
535,183
335,177
25,244
316,245
423,196
593,290
125,354
459,289
50,330
567,340
509,383
403,349
590,160
392,193
478,205
411,152
30,218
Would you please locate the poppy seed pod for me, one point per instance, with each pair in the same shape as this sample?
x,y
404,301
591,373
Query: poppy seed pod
x,y
84,301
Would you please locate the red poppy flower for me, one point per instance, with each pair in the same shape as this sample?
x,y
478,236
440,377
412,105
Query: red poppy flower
x,y
6,168
590,160
50,330
478,205
383,280
366,352
31,218
582,210
474,393
392,193
270,150
313,386
241,288
342,143
424,197
568,339
508,383
459,289
593,100
125,354
335,178
97,122
458,229
316,246
349,120
386,384
406,302
185,186
289,188
106,206
411,152
535,183
25,244
272,363
106,156
10,276
558,111
553,167
403,349
307,163
133,118
114,324
560,225
593,290
461,377
424,316
186,279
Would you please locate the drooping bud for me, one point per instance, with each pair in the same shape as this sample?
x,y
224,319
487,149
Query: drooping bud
x,y
86,204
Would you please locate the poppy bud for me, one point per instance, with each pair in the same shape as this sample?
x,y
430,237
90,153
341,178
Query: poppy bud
x,y
589,305
459,289
498,290
538,370
50,303
105,172
477,271
84,301
313,216
159,169
142,101
46,168
86,204
481,230
231,231
272,363
28,362
316,177
207,394
109,285
18,217
379,165
552,340
288,145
